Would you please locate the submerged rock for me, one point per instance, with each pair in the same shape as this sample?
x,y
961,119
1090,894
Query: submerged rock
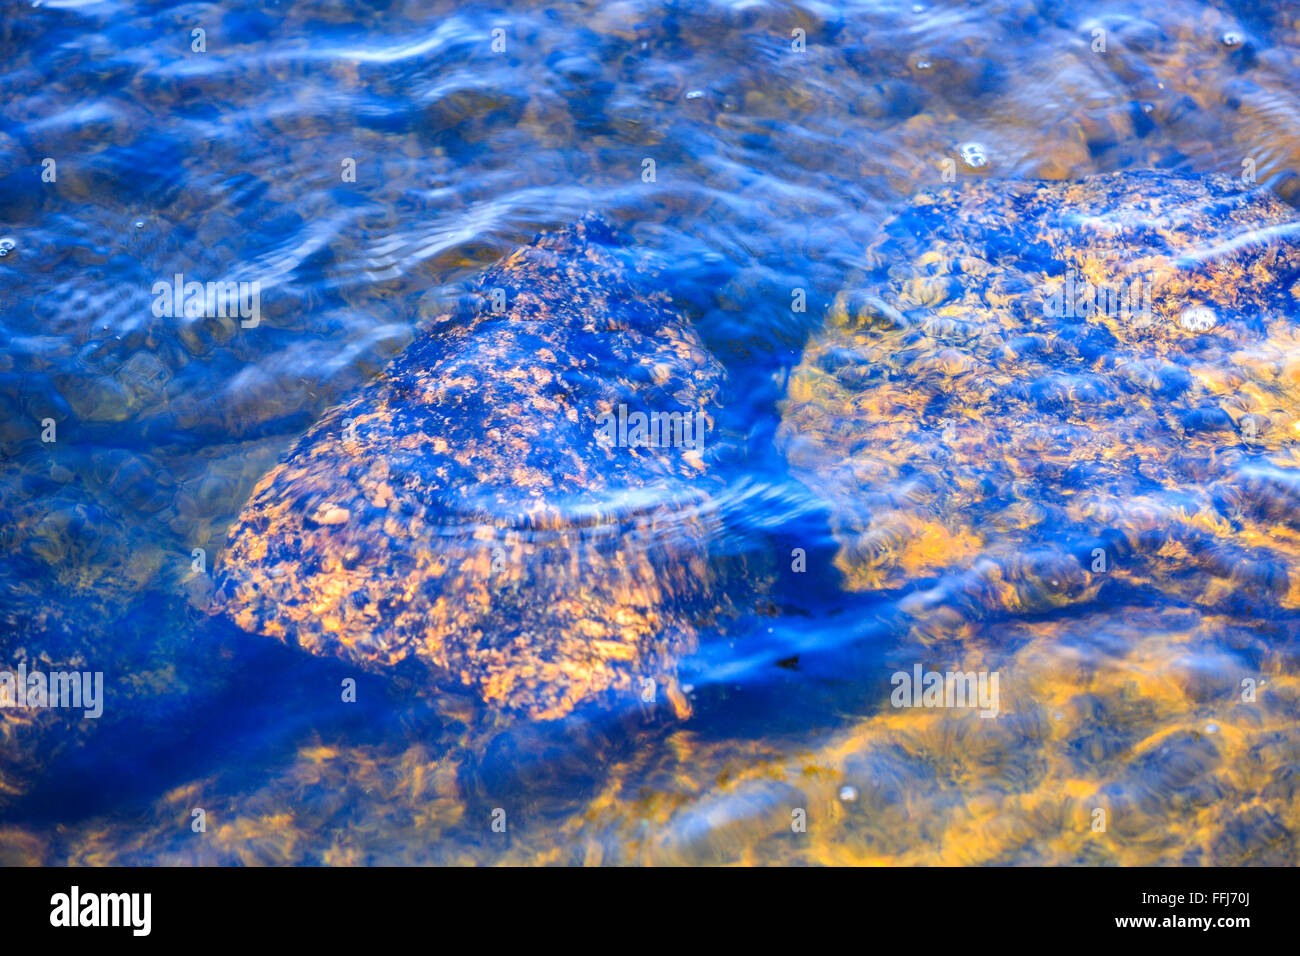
x,y
471,510
1013,403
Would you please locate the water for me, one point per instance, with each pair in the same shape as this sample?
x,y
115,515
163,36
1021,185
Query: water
x,y
775,156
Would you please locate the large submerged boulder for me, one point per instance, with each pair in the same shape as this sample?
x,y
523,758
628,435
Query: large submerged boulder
x,y
494,505
1037,388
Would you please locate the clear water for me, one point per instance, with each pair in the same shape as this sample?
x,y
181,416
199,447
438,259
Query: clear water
x,y
775,167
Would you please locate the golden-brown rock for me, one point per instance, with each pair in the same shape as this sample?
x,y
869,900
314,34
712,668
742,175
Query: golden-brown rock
x,y
464,511
1043,388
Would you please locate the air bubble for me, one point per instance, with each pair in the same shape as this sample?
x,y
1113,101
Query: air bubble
x,y
139,224
923,64
848,794
1231,39
694,94
7,246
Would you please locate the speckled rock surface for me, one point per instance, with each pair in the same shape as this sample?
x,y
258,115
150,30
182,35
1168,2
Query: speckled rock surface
x,y
969,429
461,510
